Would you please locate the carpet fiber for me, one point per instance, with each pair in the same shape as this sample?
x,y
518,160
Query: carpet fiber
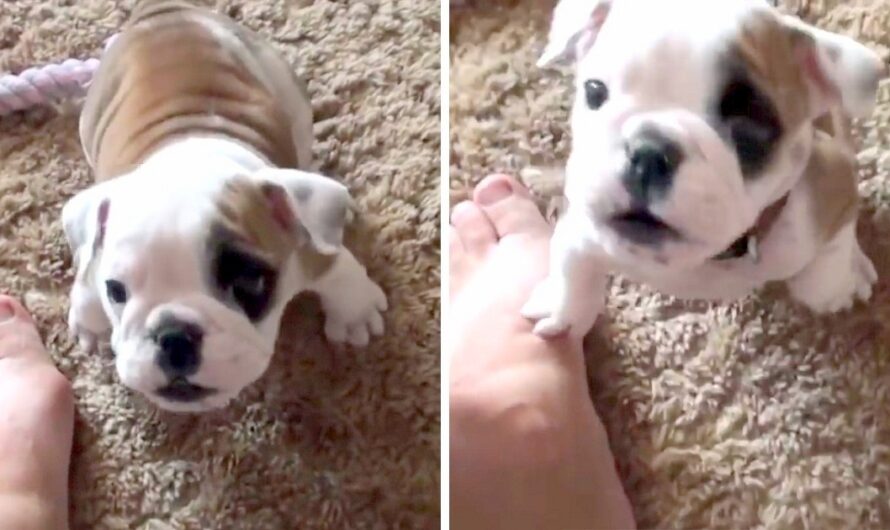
x,y
746,415
330,437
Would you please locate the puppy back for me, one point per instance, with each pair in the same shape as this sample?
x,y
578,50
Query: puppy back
x,y
180,69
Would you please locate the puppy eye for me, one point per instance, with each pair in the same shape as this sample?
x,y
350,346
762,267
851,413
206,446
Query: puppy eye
x,y
249,286
244,280
116,291
596,92
753,141
749,132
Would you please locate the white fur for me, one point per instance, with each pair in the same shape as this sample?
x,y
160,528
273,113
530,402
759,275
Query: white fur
x,y
840,274
351,303
157,228
660,61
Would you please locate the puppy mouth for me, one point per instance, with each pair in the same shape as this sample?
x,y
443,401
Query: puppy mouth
x,y
641,226
181,390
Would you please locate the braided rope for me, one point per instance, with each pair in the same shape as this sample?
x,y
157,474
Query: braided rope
x,y
47,84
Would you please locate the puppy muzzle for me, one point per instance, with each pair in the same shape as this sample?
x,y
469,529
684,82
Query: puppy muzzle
x,y
669,191
192,357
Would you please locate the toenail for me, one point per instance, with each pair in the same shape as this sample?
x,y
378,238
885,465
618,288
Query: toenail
x,y
494,191
7,312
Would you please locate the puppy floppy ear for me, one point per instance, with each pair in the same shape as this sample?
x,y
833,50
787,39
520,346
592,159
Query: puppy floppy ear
x,y
84,218
840,71
314,208
575,26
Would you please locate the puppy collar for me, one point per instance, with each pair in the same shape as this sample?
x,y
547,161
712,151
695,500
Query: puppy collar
x,y
747,245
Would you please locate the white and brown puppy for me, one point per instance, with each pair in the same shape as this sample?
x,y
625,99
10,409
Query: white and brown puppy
x,y
201,228
697,165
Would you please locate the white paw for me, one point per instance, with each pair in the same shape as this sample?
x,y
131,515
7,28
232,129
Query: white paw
x,y
355,314
840,292
866,275
87,322
554,313
86,339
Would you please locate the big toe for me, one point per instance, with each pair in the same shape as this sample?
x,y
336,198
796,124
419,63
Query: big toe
x,y
510,208
18,334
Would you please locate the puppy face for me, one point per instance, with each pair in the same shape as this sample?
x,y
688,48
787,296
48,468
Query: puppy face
x,y
194,273
692,116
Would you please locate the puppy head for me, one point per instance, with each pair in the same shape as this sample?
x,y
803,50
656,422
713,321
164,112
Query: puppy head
x,y
194,272
692,116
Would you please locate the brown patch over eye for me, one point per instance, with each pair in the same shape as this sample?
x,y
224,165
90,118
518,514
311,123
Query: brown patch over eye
x,y
770,53
245,212
259,217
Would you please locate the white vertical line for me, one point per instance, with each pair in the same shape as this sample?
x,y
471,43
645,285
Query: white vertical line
x,y
445,150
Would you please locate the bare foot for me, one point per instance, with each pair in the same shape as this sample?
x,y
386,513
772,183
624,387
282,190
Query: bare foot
x,y
527,448
499,244
36,423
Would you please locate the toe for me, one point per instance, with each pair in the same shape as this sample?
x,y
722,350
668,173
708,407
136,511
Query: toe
x,y
10,308
18,334
456,248
473,228
509,207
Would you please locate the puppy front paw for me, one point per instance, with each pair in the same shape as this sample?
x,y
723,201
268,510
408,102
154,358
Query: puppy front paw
x,y
81,332
866,276
832,291
87,322
554,311
356,313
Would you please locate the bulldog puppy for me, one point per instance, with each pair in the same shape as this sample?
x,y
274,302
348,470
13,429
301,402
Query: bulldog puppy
x,y
703,160
204,221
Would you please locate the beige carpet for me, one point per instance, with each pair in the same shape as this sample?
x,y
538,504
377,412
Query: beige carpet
x,y
329,438
750,415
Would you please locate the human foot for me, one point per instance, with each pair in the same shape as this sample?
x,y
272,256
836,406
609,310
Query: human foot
x,y
527,448
499,246
500,224
36,423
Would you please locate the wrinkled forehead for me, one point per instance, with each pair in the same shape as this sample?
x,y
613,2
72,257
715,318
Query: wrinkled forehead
x,y
157,225
683,50
243,216
181,222
136,218
154,262
683,26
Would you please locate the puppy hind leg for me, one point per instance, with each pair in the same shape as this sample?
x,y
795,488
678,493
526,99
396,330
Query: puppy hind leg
x,y
353,304
839,275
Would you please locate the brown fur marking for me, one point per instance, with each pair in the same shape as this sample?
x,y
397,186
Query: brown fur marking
x,y
770,51
169,75
831,184
244,211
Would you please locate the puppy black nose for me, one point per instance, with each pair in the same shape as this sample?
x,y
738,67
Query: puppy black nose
x,y
653,160
179,348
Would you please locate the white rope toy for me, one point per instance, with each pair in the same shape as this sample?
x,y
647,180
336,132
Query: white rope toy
x,y
47,84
